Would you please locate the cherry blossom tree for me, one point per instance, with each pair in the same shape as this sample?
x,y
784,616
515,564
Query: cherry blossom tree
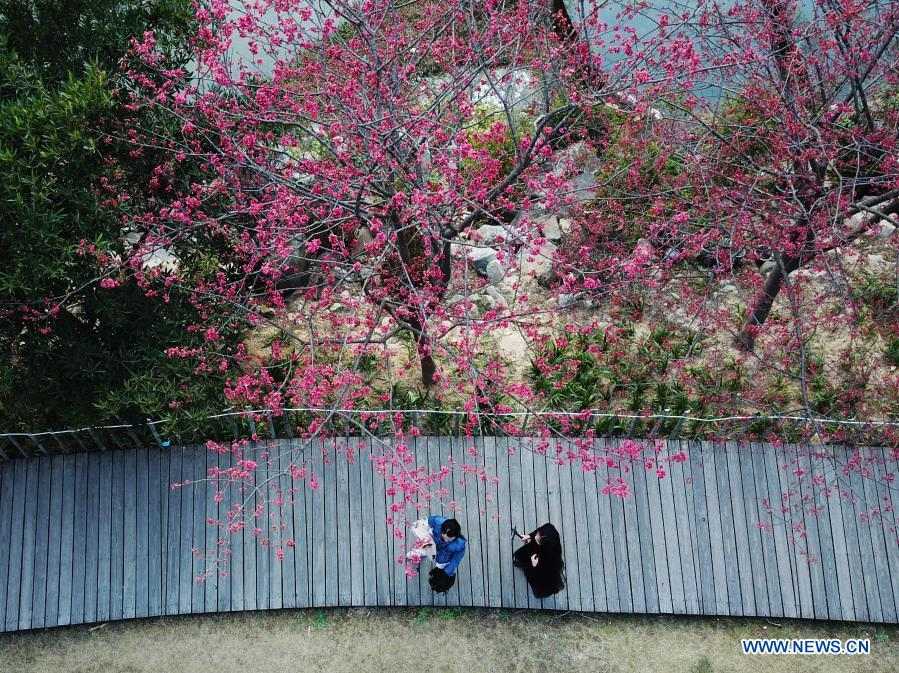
x,y
356,167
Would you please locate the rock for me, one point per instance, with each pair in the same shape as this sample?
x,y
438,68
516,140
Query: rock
x,y
491,234
512,345
768,267
878,263
484,301
567,300
564,225
494,271
887,229
539,264
480,257
728,288
551,229
498,298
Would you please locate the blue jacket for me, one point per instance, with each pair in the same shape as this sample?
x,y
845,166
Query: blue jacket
x,y
450,552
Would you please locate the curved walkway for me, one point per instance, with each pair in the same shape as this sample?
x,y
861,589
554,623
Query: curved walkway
x,y
94,537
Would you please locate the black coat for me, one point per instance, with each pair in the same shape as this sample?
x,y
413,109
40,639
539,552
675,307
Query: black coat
x,y
548,576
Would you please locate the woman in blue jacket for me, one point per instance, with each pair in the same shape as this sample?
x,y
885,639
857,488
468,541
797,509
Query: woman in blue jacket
x,y
450,543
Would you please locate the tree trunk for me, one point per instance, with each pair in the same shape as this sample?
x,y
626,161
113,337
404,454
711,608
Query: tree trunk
x,y
764,301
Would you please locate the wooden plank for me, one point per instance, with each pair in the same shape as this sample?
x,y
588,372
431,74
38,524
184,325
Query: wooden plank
x,y
250,541
275,522
578,574
492,533
317,539
867,547
78,559
162,521
117,538
345,542
262,526
300,516
373,570
286,457
610,545
438,457
104,526
669,518
732,568
879,543
173,532
583,526
384,561
233,502
154,525
662,544
356,515
196,490
463,591
7,486
716,532
42,543
332,559
67,542
701,526
799,543
141,532
554,498
426,459
840,601
91,534
463,573
516,518
851,532
224,538
884,481
213,559
644,535
588,503
740,528
821,494
632,538
764,524
28,545
528,517
681,488
469,481
788,591
51,614
129,561
748,503
809,510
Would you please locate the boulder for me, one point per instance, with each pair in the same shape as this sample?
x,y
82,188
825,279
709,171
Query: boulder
x,y
886,230
538,264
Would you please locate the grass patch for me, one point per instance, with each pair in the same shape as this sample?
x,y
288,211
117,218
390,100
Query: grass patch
x,y
435,639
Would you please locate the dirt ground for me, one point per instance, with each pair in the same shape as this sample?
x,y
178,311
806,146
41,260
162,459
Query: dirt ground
x,y
436,640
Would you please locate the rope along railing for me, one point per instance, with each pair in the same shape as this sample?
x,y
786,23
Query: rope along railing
x,y
287,423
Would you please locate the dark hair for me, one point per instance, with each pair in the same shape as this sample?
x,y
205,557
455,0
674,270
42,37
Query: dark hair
x,y
439,581
550,546
549,535
451,528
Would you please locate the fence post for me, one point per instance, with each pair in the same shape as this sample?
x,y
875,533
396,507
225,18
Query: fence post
x,y
37,443
271,425
156,434
287,428
96,439
18,446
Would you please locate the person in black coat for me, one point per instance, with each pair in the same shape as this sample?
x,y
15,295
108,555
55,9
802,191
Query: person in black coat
x,y
541,560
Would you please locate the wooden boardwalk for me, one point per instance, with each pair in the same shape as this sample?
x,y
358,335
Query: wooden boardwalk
x,y
95,537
